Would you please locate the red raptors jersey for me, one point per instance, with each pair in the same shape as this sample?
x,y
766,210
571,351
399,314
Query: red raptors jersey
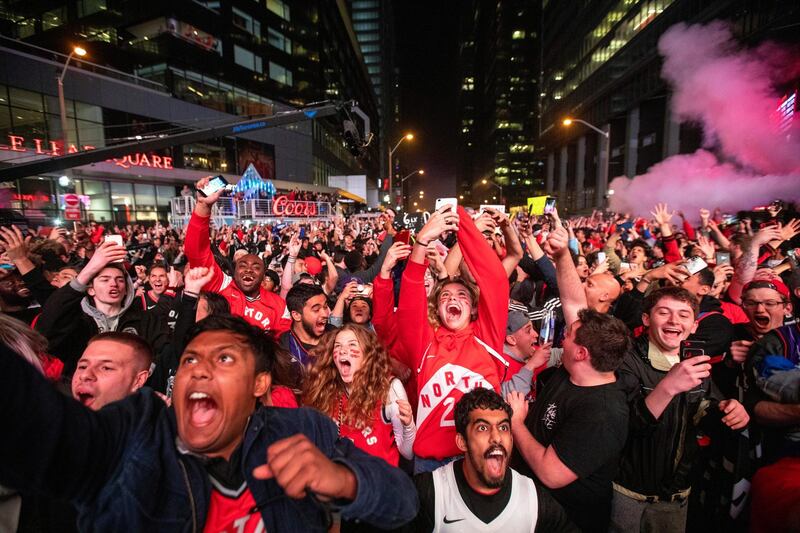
x,y
451,363
267,311
233,515
376,439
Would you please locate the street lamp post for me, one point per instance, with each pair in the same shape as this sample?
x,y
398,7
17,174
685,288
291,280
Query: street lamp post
x,y
406,137
605,157
493,184
403,181
62,107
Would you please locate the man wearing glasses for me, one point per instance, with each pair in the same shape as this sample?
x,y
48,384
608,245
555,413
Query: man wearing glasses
x,y
766,303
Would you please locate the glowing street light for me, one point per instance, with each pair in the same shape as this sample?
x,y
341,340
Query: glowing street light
x,y
605,156
76,51
418,171
406,137
493,184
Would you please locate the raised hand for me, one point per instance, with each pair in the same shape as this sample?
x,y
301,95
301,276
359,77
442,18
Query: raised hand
x,y
15,244
767,234
706,246
209,200
396,253
662,214
557,241
442,220
791,229
197,278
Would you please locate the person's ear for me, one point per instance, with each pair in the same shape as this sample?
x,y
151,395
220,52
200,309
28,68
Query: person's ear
x,y
645,320
788,308
297,317
704,289
140,380
263,383
461,442
511,340
90,291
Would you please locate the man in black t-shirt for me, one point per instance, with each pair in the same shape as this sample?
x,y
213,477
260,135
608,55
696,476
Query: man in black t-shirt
x,y
573,438
480,492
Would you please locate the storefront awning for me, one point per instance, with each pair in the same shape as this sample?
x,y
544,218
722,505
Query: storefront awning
x,y
355,197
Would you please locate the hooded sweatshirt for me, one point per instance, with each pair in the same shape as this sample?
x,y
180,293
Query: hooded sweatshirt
x,y
70,319
450,363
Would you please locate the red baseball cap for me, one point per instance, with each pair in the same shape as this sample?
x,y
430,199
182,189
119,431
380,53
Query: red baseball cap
x,y
313,266
774,284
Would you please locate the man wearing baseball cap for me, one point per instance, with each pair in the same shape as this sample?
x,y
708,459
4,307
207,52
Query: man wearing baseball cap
x,y
526,358
766,303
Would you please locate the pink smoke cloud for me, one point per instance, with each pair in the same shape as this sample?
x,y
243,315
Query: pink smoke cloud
x,y
693,181
731,91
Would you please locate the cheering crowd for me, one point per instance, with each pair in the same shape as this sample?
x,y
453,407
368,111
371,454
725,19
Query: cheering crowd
x,y
483,372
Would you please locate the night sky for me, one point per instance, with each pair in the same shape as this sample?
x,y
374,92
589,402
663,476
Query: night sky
x,y
427,50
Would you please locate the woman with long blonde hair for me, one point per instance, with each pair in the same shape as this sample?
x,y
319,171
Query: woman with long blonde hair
x,y
351,382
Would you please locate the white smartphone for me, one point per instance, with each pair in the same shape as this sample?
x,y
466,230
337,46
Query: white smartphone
x,y
116,239
601,258
216,183
695,265
496,207
452,202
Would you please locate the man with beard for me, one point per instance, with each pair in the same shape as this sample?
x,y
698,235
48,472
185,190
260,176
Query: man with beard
x,y
480,492
309,310
113,365
244,292
211,462
15,297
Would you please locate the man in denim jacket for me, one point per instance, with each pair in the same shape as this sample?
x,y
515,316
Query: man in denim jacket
x,y
213,461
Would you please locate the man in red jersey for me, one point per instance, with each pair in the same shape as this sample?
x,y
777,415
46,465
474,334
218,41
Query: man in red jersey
x,y
244,293
462,352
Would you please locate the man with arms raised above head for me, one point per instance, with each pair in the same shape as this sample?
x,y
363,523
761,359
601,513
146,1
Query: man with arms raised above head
x,y
247,298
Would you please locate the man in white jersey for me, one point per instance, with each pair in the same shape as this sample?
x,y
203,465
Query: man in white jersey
x,y
480,493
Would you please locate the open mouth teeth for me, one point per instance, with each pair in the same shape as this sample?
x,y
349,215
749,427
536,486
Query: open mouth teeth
x,y
761,320
202,409
454,310
85,398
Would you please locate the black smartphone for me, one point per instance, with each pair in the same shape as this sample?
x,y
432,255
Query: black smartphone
x,y
691,349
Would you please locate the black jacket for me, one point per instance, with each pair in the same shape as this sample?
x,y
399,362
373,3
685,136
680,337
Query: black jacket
x,y
660,453
68,327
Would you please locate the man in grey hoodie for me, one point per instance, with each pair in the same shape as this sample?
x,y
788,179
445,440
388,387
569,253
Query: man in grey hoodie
x,y
97,301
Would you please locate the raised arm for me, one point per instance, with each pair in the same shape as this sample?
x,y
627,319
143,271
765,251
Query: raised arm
x,y
197,245
492,281
570,288
748,264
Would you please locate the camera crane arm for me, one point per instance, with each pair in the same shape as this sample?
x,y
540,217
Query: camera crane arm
x,y
318,110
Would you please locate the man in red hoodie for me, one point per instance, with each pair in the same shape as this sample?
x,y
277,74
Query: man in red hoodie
x,y
462,351
244,293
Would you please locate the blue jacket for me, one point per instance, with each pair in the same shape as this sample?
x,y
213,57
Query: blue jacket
x,y
122,470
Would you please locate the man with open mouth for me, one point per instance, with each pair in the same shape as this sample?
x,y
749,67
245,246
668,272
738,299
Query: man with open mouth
x,y
212,461
244,291
480,492
113,366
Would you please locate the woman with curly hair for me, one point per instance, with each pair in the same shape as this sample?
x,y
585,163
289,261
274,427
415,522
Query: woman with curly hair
x,y
351,382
